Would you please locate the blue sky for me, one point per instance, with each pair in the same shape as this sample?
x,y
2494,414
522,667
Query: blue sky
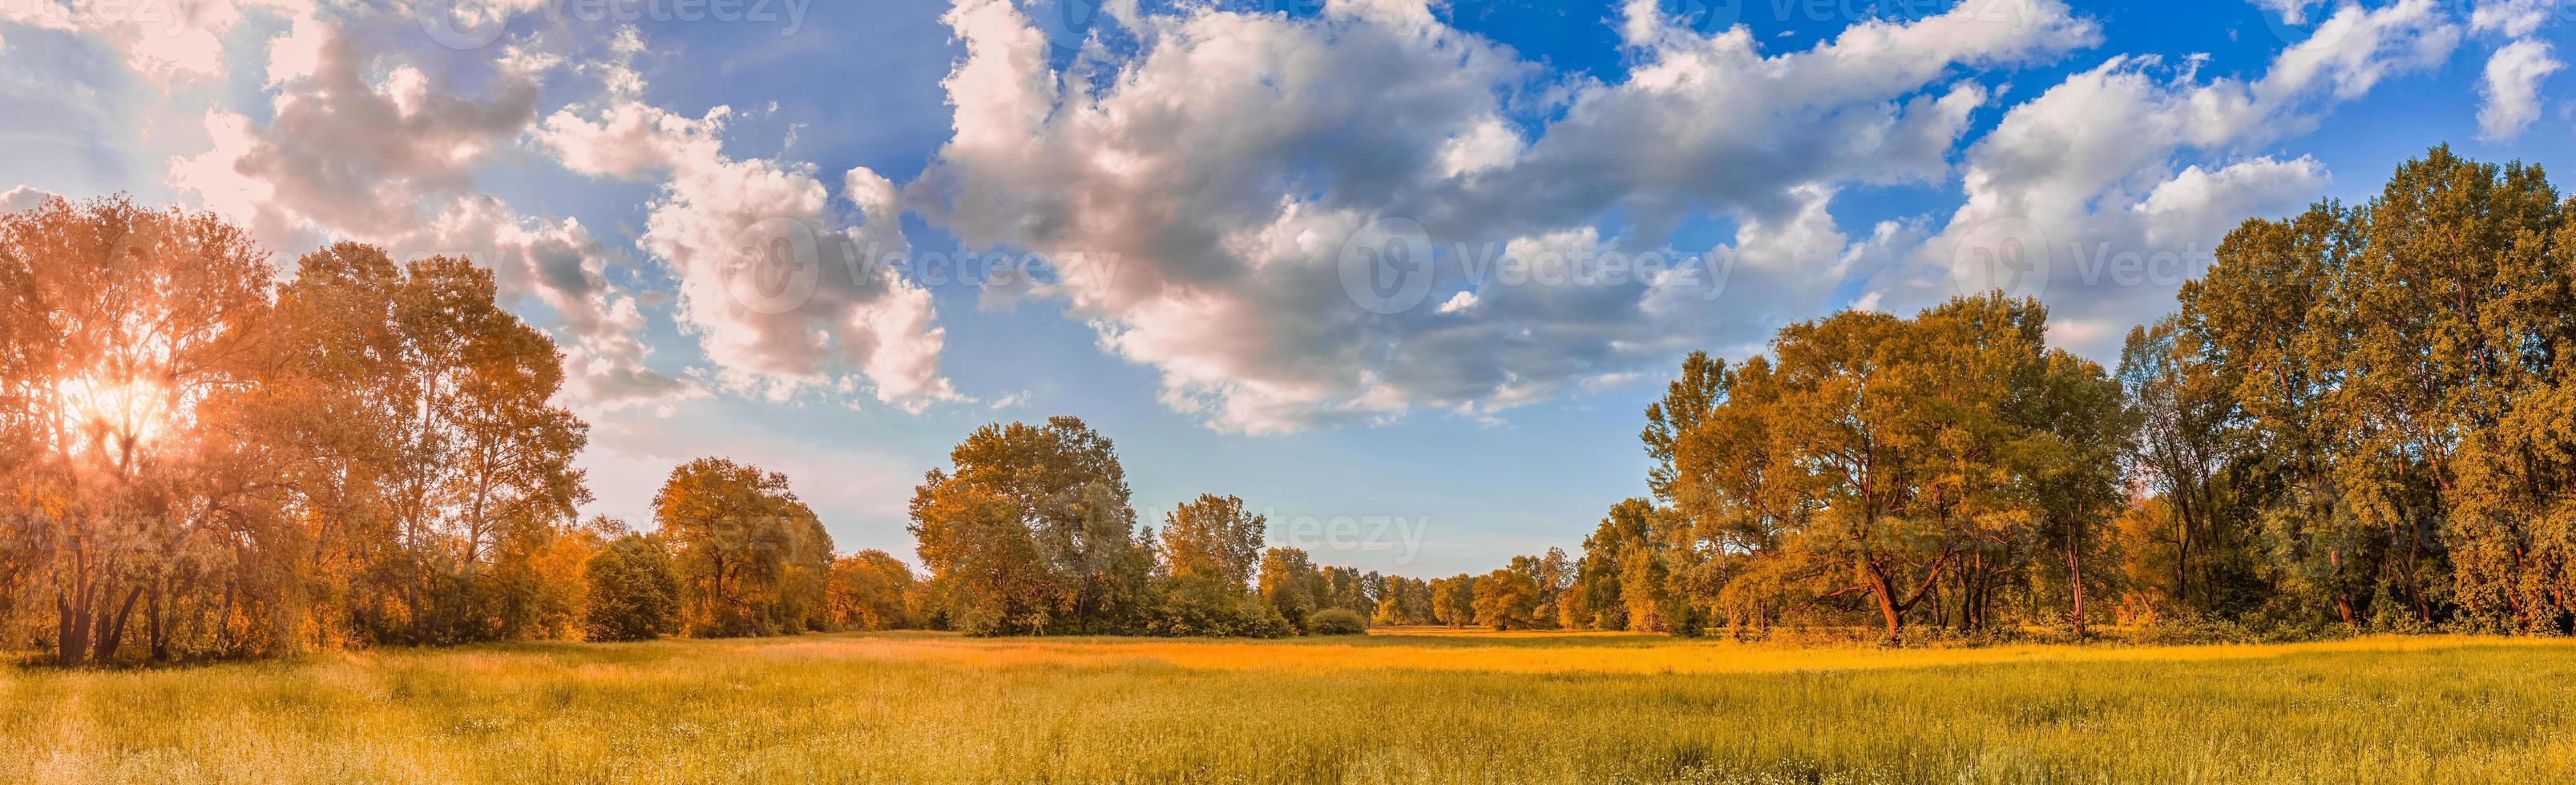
x,y
1226,159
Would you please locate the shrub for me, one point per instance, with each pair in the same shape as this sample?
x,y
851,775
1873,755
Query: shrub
x,y
1195,606
634,594
1336,621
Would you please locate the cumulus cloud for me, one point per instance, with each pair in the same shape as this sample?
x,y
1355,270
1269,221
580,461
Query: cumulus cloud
x,y
389,160
1239,165
23,198
2509,93
783,287
165,42
2512,18
2079,194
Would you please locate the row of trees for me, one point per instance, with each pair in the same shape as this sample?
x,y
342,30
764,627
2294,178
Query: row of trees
x,y
2359,417
1030,531
197,461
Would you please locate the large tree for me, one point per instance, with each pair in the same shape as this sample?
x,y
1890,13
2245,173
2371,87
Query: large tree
x,y
1030,531
752,558
125,330
1213,536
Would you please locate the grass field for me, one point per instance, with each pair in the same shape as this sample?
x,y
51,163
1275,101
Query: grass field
x,y
1420,706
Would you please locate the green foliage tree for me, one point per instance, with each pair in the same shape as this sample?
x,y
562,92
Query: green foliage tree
x,y
634,594
1291,584
1337,621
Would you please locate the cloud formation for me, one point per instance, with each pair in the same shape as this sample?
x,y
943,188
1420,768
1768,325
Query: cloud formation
x,y
389,159
1234,163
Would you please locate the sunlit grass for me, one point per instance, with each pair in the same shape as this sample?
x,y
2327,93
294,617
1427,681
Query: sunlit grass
x,y
1418,706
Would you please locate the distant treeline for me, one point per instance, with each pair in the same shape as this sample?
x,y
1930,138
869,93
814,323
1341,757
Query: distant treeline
x,y
2356,420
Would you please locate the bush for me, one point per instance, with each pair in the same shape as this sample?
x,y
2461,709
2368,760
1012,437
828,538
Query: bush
x,y
1336,621
1195,606
634,594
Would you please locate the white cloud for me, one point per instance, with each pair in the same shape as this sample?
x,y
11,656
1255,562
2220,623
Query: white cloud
x,y
389,161
2512,18
23,198
779,283
2509,93
2086,178
1229,160
165,42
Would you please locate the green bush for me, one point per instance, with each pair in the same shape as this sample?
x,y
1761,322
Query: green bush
x,y
1194,606
1336,621
634,594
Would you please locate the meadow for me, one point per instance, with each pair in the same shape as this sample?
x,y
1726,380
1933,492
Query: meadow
x,y
1396,706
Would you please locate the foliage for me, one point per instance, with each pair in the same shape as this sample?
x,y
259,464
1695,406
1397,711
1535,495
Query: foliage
x,y
752,559
1336,621
634,592
1030,532
869,590
1202,606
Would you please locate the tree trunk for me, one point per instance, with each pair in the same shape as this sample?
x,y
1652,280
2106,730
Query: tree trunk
x,y
71,634
111,627
2075,576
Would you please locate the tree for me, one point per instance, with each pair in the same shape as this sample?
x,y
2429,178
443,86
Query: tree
x,y
752,559
1453,600
415,416
1291,584
869,590
2183,414
633,592
123,326
1504,599
1030,532
1213,536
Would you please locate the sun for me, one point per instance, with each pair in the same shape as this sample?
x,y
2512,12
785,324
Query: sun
x,y
110,417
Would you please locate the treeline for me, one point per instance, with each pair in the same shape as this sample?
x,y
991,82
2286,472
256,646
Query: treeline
x,y
199,461
1030,532
2362,418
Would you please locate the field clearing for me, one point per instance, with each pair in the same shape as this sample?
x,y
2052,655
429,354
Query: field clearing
x,y
1406,706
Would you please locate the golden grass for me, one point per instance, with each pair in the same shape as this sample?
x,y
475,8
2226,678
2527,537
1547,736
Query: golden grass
x,y
1413,706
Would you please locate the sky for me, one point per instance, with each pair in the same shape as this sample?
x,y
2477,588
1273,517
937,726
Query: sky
x,y
1401,275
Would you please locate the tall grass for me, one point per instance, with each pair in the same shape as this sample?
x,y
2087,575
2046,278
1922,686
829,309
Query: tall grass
x,y
1386,708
